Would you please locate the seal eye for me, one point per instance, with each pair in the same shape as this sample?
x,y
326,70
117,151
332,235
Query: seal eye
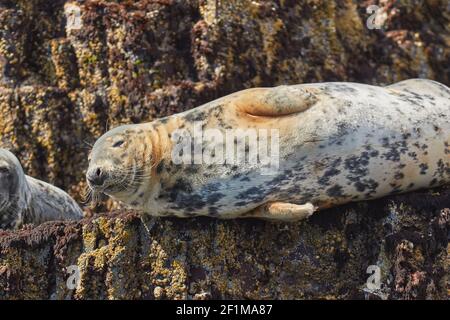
x,y
117,144
4,170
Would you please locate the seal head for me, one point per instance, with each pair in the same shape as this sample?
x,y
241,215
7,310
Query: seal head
x,y
25,200
119,161
13,189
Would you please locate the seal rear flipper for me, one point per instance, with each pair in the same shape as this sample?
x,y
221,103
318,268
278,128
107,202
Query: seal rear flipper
x,y
283,211
275,102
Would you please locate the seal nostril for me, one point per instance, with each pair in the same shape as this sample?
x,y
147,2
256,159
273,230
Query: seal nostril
x,y
97,177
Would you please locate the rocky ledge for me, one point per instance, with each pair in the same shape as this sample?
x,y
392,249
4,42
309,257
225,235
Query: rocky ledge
x,y
333,255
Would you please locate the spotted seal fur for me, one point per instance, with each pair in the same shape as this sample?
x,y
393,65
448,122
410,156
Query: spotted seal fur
x,y
338,142
24,199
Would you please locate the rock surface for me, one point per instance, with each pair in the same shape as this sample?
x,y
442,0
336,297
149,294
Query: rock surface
x,y
404,238
71,69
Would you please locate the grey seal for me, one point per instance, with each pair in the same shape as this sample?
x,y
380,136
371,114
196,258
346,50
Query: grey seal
x,y
338,142
24,199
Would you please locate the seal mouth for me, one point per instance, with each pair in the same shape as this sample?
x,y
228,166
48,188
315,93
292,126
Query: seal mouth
x,y
96,188
120,183
118,180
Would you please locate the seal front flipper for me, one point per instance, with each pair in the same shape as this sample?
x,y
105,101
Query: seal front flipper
x,y
275,102
283,211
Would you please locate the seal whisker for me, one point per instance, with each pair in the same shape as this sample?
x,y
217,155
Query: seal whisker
x,y
86,196
88,144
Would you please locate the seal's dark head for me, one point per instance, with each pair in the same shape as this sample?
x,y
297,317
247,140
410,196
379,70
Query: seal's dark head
x,y
13,188
119,161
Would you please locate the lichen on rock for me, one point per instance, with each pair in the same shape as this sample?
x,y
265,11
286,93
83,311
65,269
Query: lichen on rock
x,y
326,257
